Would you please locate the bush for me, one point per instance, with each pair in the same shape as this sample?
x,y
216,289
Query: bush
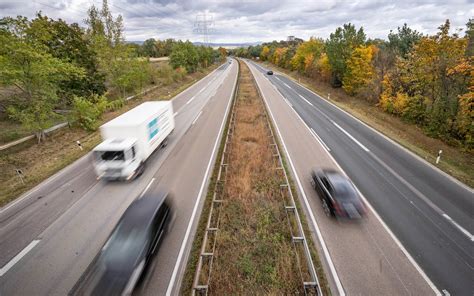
x,y
86,112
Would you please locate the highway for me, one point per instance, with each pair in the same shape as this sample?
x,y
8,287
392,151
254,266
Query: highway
x,y
51,233
420,214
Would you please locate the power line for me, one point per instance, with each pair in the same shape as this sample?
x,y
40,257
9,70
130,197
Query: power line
x,y
204,26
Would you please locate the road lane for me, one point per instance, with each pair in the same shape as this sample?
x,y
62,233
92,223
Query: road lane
x,y
70,241
368,261
410,195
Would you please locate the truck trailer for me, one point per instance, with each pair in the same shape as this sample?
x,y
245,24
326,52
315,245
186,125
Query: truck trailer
x,y
129,139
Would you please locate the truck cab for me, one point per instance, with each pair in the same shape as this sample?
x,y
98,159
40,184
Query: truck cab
x,y
117,159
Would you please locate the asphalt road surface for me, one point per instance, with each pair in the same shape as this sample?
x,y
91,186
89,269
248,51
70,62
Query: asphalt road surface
x,y
51,234
430,213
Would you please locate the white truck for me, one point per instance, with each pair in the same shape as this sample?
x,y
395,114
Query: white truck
x,y
129,139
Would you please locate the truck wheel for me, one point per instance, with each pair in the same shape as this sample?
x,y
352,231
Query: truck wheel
x,y
140,169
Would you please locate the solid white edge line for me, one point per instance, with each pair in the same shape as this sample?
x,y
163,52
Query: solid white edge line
x,y
196,118
422,160
467,233
306,100
313,220
201,190
175,113
350,136
18,257
384,225
318,138
147,187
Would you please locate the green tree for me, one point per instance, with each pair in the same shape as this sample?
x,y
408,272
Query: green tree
x,y
67,42
184,54
404,40
148,48
34,72
339,48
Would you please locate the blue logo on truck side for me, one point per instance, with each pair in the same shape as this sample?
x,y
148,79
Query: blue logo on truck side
x,y
152,129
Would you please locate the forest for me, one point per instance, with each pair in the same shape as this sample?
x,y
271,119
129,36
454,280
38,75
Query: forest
x,y
427,80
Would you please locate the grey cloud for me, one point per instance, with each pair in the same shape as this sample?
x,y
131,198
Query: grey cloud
x,y
251,20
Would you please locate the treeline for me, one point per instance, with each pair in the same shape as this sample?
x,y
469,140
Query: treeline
x,y
51,70
181,54
425,79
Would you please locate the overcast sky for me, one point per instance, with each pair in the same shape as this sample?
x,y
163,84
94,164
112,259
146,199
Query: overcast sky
x,y
251,21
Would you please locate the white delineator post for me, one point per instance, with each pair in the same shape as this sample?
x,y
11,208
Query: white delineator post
x,y
439,156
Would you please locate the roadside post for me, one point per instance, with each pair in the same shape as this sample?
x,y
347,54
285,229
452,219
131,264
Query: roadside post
x,y
329,96
439,156
79,145
20,175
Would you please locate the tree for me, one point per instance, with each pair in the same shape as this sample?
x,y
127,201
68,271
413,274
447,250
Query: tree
x,y
67,42
431,87
184,54
359,69
265,53
339,49
34,72
165,47
313,46
404,40
254,51
148,48
222,53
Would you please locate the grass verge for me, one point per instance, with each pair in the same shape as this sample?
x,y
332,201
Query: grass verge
x,y
254,251
454,161
38,162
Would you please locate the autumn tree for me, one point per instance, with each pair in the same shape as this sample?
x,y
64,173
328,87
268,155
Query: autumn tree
x,y
359,69
313,47
431,85
339,48
222,53
265,53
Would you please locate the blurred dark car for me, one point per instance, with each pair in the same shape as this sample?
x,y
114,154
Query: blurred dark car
x,y
338,195
130,247
269,72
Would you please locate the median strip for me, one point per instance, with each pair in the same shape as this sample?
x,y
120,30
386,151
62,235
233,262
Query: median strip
x,y
250,236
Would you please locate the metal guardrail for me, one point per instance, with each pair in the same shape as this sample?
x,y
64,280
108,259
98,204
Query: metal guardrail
x,y
308,273
306,267
208,246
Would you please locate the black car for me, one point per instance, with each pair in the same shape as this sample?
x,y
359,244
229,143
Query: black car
x,y
269,72
131,246
338,195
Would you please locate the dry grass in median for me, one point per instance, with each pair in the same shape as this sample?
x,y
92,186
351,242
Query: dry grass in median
x,y
254,250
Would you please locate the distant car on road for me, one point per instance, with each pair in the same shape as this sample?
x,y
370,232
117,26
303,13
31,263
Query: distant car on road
x,y
269,72
337,193
129,249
